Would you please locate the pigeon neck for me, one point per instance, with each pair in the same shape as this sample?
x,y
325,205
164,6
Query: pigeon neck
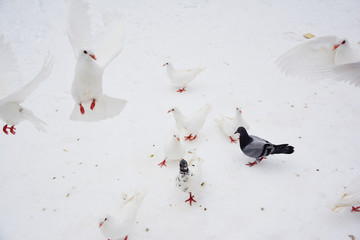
x,y
170,68
245,139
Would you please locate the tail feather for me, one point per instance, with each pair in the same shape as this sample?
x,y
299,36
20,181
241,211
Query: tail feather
x,y
38,123
106,107
283,148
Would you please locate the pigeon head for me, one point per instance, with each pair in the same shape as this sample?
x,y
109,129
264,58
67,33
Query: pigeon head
x,y
177,138
341,42
241,131
165,64
238,109
183,166
171,110
86,54
101,223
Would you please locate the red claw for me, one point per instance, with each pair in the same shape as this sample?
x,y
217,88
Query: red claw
x,y
191,199
82,110
92,104
233,140
188,137
12,130
250,164
163,163
5,129
355,209
181,90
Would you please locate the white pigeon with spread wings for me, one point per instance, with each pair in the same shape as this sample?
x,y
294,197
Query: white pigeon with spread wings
x,y
118,225
13,113
192,123
180,78
323,57
229,125
94,49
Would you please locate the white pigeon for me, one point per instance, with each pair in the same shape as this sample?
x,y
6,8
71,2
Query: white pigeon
x,y
323,57
119,225
351,198
174,149
229,125
189,179
10,78
180,78
93,54
10,109
191,124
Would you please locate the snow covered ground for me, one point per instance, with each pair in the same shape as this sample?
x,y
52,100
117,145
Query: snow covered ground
x,y
58,185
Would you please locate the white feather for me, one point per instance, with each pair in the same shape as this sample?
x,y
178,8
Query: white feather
x,y
180,78
230,124
350,198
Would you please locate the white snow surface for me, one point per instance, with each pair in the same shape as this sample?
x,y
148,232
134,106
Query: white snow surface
x,y
59,184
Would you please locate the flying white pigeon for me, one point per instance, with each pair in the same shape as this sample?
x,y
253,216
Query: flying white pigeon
x,y
10,109
180,78
191,124
229,125
174,149
8,69
93,53
119,225
323,57
351,198
189,178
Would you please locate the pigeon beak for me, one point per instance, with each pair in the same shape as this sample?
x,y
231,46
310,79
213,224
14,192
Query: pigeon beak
x,y
93,56
178,139
164,64
336,46
236,132
100,224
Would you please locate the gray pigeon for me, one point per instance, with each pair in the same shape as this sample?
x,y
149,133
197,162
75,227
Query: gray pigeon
x,y
259,148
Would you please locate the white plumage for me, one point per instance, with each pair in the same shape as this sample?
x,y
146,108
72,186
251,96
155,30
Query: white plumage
x,y
118,225
174,149
351,198
10,109
193,123
93,51
189,178
229,125
180,78
323,57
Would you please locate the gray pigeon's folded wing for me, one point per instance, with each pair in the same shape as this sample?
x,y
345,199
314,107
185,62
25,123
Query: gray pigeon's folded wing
x,y
255,148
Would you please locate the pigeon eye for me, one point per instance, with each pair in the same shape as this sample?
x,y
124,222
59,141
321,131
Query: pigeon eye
x,y
85,52
343,42
105,219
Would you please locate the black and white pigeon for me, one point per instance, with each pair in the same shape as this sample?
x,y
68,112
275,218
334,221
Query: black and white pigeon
x,y
258,148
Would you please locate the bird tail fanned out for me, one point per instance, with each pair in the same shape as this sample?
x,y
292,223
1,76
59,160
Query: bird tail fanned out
x,y
106,107
38,123
283,148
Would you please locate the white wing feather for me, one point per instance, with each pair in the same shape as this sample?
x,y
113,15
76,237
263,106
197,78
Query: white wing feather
x,y
20,95
315,52
105,40
10,77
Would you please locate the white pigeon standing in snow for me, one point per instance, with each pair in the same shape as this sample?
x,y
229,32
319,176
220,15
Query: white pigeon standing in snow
x,y
10,109
93,53
180,78
191,124
323,57
229,125
189,178
174,149
118,226
351,198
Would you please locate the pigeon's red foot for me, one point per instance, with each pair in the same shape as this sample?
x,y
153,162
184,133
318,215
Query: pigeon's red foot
x,y
262,158
355,209
82,110
163,163
180,90
92,104
191,199
124,238
12,129
233,140
190,137
250,164
193,138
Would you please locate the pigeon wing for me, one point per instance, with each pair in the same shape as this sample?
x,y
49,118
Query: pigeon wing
x,y
20,95
315,52
9,74
256,147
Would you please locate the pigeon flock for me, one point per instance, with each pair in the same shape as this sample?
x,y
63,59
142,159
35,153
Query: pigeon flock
x,y
322,57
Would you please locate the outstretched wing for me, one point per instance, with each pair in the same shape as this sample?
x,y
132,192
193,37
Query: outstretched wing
x,y
20,95
314,52
9,74
78,26
105,40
